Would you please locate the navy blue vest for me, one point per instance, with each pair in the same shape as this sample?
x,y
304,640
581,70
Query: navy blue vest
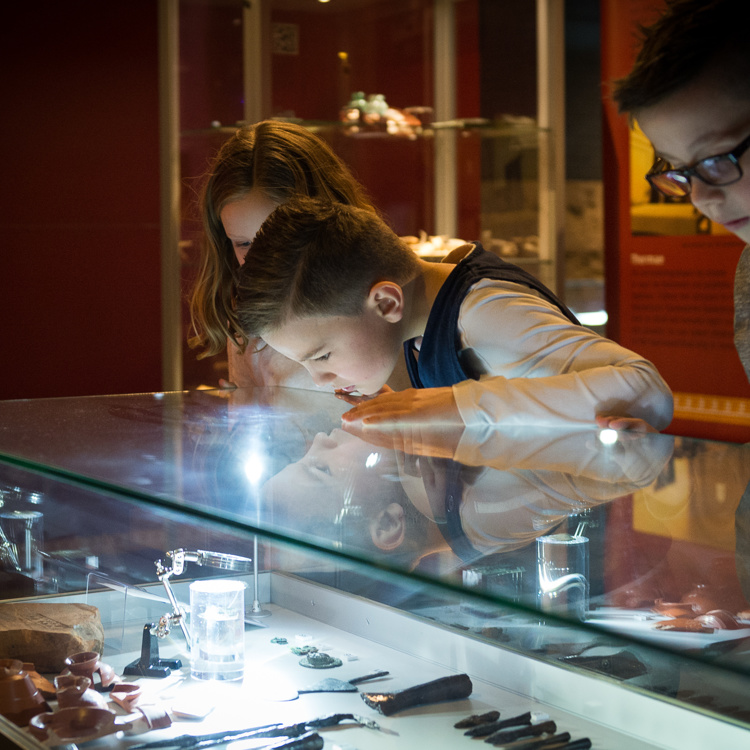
x,y
438,363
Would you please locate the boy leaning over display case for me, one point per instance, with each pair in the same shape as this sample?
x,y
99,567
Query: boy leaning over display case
x,y
333,288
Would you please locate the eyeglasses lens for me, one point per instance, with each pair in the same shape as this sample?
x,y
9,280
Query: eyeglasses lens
x,y
719,171
673,185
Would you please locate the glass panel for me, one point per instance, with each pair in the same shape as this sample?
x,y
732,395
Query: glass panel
x,y
583,548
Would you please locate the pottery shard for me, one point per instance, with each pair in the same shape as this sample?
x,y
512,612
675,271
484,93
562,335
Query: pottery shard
x,y
46,633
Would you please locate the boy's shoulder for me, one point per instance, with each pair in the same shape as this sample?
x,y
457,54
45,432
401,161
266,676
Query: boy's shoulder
x,y
459,253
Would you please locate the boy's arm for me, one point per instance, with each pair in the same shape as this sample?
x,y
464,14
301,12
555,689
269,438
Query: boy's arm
x,y
533,367
435,407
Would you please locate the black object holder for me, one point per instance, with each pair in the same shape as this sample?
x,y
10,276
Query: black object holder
x,y
150,665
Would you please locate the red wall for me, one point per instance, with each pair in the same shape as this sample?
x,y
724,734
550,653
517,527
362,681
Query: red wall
x,y
80,269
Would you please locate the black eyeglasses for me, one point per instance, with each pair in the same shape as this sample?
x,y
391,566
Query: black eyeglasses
x,y
720,170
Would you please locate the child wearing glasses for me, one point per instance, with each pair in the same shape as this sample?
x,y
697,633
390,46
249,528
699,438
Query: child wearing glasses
x,y
689,91
333,288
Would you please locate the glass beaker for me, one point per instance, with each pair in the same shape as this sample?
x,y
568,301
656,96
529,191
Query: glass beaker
x,y
217,626
23,530
563,574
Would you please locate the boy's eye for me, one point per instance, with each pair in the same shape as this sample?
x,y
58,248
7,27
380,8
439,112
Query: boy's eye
x,y
321,467
323,357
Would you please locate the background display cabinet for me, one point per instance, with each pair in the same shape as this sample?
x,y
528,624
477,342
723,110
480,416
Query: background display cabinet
x,y
236,560
409,95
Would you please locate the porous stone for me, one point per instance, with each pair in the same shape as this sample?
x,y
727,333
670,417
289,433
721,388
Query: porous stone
x,y
45,633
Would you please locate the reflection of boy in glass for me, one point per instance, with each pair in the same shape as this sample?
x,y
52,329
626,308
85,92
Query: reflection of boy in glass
x,y
348,491
406,507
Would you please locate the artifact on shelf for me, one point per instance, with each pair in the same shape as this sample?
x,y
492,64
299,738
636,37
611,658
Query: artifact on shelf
x,y
20,699
320,660
45,633
299,730
73,690
451,688
476,720
89,664
332,685
432,246
83,724
372,116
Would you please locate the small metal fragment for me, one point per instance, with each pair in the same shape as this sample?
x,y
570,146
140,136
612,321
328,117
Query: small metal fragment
x,y
319,660
302,650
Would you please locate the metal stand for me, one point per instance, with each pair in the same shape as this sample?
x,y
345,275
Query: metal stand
x,y
150,665
179,558
256,610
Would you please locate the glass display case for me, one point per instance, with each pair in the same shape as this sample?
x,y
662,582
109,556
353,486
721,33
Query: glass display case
x,y
590,579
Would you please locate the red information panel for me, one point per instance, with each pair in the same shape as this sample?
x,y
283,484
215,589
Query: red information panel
x,y
670,274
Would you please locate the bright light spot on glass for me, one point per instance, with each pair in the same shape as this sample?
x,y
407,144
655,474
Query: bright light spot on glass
x,y
254,467
372,459
595,318
608,436
158,396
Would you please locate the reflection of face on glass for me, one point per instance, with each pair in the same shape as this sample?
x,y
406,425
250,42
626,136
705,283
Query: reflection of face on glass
x,y
339,474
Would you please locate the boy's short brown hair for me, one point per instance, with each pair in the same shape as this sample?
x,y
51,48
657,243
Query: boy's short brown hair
x,y
313,257
690,38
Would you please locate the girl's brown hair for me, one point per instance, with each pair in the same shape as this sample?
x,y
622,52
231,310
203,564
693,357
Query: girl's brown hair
x,y
283,160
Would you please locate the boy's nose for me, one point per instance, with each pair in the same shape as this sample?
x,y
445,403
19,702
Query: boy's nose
x,y
702,194
323,378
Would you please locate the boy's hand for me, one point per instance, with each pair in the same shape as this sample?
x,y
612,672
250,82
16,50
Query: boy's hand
x,y
414,405
354,399
421,422
415,438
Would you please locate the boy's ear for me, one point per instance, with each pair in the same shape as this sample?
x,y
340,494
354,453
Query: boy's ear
x,y
387,298
388,529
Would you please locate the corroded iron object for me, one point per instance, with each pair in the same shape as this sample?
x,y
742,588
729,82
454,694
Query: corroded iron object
x,y
505,736
455,687
309,741
484,730
550,742
476,719
319,660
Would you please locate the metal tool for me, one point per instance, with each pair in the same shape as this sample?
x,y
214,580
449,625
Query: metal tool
x,y
332,685
267,730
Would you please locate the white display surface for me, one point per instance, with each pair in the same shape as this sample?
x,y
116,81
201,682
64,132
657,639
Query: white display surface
x,y
368,637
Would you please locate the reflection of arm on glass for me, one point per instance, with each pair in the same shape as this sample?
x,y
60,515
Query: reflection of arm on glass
x,y
369,499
